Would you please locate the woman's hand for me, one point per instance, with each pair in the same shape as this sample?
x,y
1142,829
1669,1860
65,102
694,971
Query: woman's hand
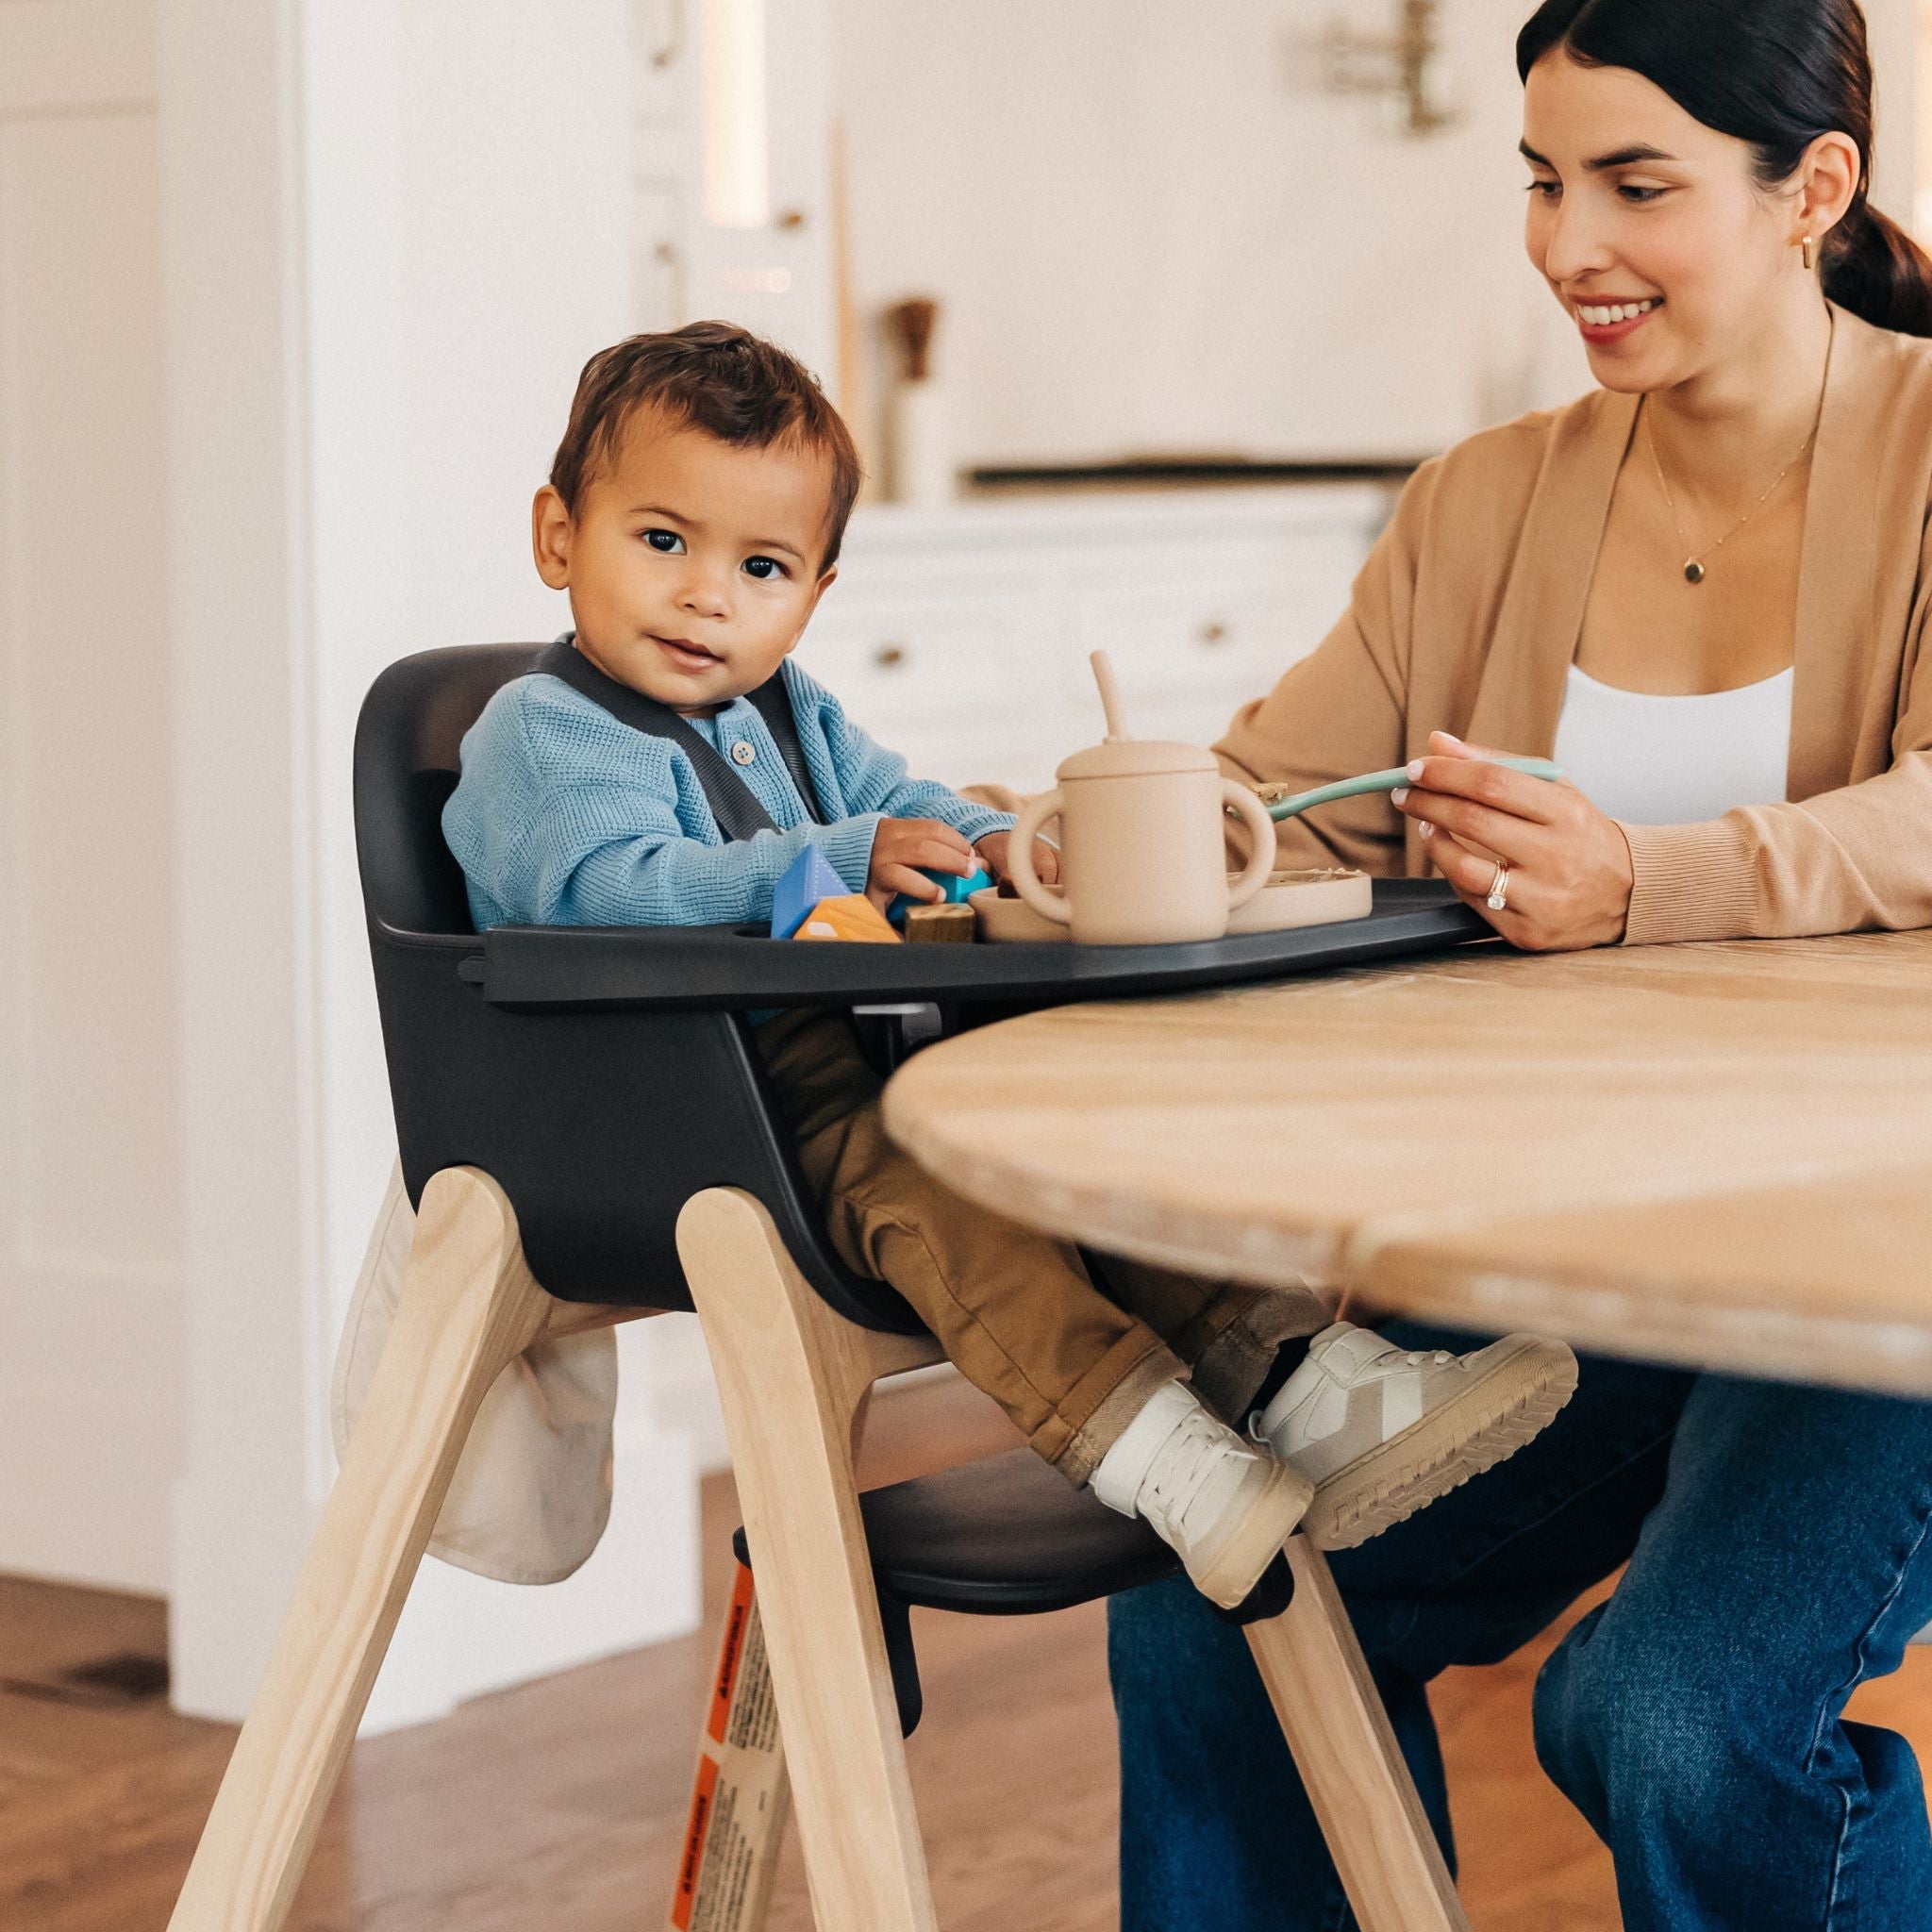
x,y
992,853
905,850
1570,876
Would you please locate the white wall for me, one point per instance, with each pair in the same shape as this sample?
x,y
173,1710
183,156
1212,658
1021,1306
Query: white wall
x,y
90,1236
1893,28
1150,230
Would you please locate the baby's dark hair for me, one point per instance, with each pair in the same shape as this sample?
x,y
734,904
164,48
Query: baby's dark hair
x,y
717,377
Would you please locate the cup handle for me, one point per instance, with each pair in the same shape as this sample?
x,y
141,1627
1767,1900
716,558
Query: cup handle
x,y
1260,866
1044,899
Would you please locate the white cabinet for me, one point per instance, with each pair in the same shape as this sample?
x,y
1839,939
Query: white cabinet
x,y
939,669
960,638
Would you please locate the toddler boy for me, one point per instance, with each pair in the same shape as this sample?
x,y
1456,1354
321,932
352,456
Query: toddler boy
x,y
694,514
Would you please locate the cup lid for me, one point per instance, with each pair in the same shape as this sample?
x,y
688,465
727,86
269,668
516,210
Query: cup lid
x,y
1136,757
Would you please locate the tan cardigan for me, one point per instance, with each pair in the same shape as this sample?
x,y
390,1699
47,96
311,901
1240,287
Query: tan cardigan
x,y
1468,612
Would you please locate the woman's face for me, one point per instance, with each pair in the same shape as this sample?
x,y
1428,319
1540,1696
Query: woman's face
x,y
1650,227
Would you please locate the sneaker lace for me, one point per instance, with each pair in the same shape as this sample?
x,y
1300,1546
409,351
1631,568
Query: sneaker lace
x,y
1188,1467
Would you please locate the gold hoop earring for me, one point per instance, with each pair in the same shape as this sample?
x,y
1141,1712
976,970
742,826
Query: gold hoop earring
x,y
1808,247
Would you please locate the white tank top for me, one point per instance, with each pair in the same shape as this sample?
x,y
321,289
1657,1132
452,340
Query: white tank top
x,y
1673,760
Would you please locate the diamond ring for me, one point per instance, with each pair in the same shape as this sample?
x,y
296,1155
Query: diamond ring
x,y
1498,900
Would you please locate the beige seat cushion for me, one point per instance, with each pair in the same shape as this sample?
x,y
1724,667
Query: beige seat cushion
x,y
532,1492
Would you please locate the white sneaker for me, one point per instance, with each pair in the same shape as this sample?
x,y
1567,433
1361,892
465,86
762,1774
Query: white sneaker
x,y
1225,1505
1382,1432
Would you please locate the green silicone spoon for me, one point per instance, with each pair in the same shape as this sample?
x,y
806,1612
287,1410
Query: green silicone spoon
x,y
1391,781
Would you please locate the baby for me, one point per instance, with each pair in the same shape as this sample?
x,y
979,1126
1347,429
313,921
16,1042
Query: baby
x,y
693,514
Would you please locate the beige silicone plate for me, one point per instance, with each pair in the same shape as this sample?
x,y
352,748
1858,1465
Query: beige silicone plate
x,y
1288,900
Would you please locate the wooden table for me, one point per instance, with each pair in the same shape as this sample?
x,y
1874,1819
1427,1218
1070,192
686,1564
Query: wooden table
x,y
1716,1154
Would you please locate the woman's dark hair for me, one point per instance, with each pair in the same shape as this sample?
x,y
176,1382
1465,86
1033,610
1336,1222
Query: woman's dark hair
x,y
1776,73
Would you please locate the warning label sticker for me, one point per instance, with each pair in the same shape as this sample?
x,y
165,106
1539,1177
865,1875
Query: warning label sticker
x,y
741,1796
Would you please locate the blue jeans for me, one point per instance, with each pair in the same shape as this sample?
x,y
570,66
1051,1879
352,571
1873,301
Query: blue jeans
x,y
1777,1538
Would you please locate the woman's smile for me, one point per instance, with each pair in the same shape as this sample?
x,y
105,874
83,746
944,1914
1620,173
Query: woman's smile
x,y
1610,322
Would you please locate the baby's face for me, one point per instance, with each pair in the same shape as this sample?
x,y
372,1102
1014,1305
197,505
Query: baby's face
x,y
692,565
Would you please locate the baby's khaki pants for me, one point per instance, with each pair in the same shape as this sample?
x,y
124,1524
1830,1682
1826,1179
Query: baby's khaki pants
x,y
1070,1360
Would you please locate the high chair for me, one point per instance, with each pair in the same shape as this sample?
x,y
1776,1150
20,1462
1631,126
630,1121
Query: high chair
x,y
587,1133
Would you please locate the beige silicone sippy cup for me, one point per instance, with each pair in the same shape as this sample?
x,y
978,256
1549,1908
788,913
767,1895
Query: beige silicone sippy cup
x,y
1142,855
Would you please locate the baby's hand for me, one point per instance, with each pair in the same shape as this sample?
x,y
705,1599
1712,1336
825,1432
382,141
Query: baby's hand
x,y
905,850
993,850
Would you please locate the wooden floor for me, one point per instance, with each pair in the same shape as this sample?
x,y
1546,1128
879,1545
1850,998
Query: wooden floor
x,y
556,1807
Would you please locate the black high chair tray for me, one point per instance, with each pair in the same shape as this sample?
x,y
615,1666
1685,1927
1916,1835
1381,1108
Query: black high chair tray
x,y
735,969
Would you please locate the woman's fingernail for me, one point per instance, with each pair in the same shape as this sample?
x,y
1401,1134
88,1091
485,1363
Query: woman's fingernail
x,y
1450,736
1400,795
1415,769
1425,830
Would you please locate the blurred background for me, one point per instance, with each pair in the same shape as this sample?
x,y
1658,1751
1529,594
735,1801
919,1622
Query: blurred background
x,y
1141,315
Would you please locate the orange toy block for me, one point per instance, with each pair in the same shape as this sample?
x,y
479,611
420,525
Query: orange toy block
x,y
854,917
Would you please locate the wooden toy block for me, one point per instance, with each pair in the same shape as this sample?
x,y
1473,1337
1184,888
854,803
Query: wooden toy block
x,y
851,916
808,882
947,925
957,891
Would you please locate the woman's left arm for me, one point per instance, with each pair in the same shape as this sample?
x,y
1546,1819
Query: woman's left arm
x,y
1857,858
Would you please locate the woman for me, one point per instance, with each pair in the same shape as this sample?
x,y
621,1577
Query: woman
x,y
1704,588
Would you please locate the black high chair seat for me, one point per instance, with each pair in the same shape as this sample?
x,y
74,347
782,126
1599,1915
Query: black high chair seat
x,y
1003,1537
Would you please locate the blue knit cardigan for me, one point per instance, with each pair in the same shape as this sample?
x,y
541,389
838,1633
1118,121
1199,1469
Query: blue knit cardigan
x,y
564,816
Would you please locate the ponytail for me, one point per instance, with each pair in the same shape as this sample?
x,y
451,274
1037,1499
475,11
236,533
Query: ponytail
x,y
1876,271
1776,73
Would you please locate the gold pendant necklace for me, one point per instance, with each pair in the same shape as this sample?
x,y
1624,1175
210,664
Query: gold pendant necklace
x,y
1694,570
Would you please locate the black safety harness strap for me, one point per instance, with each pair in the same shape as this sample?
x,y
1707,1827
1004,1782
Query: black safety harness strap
x,y
733,803
774,704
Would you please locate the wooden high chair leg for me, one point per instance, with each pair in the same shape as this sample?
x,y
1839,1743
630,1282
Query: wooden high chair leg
x,y
1339,1731
468,1309
793,1378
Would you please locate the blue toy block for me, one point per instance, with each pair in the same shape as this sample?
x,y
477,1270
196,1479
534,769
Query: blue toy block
x,y
957,891
809,879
